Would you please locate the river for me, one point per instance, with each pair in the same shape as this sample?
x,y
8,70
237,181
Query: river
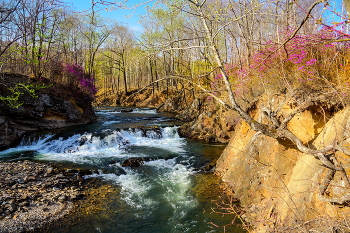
x,y
165,194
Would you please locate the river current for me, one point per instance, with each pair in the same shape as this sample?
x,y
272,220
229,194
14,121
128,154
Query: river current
x,y
165,194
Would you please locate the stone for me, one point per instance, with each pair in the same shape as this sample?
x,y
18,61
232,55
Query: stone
x,y
7,213
11,207
24,203
64,180
60,175
49,170
62,198
133,162
11,201
84,172
71,170
208,168
79,178
29,178
303,126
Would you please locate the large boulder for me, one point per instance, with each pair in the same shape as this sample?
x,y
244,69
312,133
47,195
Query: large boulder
x,y
53,106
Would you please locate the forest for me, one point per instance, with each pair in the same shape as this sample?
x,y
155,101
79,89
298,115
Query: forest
x,y
261,45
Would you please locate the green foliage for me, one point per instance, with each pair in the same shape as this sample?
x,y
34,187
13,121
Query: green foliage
x,y
13,100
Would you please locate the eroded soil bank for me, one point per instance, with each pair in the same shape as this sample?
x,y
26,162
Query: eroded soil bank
x,y
35,195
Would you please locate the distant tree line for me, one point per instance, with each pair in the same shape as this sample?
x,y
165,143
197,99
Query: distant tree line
x,y
256,41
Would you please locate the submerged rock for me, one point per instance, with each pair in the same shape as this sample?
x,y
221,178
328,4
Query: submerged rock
x,y
126,110
208,167
133,162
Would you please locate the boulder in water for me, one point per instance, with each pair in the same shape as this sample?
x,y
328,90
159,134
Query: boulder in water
x,y
133,162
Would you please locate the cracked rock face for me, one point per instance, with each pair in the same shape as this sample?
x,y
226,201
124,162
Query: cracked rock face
x,y
55,106
278,185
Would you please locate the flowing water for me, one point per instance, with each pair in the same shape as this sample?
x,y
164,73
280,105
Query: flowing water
x,y
165,194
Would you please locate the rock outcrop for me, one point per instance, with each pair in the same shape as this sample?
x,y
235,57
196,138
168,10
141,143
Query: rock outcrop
x,y
54,106
212,122
280,188
206,119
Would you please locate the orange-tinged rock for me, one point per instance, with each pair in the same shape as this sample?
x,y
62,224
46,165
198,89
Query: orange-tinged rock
x,y
303,126
279,185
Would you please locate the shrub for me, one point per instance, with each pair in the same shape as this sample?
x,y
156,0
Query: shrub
x,y
308,60
84,80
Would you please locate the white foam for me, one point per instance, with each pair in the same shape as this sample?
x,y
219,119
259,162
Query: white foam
x,y
144,111
135,190
178,182
87,148
110,122
29,145
138,187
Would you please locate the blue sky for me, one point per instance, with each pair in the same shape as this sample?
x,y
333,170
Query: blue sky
x,y
130,17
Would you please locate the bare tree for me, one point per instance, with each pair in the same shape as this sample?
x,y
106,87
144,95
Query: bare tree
x,y
8,32
120,44
37,22
278,127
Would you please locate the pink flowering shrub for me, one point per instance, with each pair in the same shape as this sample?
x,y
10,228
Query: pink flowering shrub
x,y
84,80
315,60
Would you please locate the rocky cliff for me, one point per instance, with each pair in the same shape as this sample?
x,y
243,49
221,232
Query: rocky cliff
x,y
280,188
49,106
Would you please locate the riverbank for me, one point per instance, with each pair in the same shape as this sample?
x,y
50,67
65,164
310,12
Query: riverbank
x,y
28,105
36,195
284,189
204,118
278,186
164,194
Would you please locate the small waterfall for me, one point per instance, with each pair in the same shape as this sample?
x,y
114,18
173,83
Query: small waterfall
x,y
157,196
83,148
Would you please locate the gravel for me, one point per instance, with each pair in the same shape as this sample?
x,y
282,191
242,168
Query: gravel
x,y
34,195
